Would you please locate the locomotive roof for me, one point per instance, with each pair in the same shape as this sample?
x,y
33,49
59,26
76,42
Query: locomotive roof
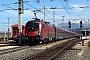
x,y
34,21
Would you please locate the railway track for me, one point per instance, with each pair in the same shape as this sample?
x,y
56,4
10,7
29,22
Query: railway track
x,y
14,49
51,53
11,50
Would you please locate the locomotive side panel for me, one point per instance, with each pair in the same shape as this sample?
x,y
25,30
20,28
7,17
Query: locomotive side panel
x,y
48,32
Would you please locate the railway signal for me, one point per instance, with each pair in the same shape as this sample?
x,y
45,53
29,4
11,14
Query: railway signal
x,y
69,24
81,24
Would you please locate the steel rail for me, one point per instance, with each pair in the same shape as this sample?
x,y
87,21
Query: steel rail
x,y
11,50
54,51
52,57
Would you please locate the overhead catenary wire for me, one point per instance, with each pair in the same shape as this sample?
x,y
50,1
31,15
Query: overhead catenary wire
x,y
66,9
29,5
36,9
48,3
11,8
83,8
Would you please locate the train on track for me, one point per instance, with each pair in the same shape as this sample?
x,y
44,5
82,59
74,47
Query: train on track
x,y
39,31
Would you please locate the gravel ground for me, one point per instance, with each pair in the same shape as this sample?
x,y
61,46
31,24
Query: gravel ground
x,y
81,53
69,55
20,54
86,55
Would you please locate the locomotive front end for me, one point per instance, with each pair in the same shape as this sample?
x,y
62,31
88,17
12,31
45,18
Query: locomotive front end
x,y
33,31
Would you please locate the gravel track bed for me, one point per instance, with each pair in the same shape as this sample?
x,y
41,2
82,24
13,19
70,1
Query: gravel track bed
x,y
69,55
20,54
80,53
86,55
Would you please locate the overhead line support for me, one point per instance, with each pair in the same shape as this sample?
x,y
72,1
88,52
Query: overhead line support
x,y
20,8
53,15
8,28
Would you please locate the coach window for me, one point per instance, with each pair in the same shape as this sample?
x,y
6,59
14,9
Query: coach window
x,y
43,26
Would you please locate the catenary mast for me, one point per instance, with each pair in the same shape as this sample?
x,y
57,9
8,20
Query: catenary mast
x,y
20,8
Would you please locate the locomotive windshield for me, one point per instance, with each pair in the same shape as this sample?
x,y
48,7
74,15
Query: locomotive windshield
x,y
32,26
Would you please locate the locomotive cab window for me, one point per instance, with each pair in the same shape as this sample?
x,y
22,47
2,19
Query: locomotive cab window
x,y
36,26
32,26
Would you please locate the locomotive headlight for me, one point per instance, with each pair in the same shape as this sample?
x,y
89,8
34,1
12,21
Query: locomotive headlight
x,y
39,33
26,34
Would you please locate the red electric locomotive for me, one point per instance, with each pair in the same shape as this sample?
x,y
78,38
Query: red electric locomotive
x,y
38,31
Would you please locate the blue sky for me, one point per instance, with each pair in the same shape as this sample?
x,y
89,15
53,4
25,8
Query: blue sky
x,y
68,8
